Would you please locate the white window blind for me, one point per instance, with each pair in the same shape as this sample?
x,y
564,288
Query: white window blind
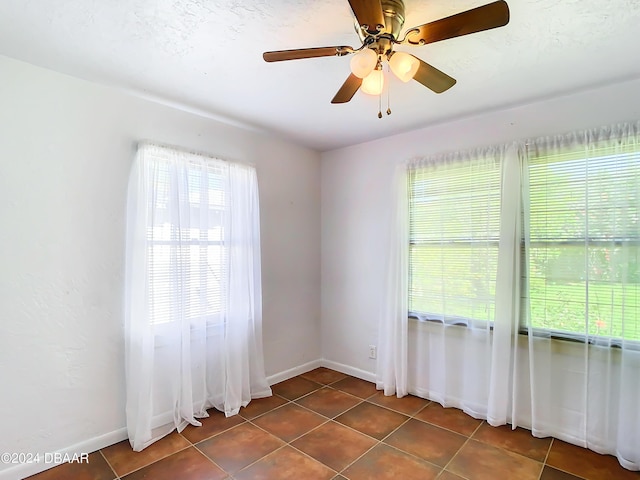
x,y
584,237
454,223
185,240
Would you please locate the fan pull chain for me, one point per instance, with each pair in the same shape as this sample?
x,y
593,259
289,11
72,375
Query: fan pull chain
x,y
388,95
380,96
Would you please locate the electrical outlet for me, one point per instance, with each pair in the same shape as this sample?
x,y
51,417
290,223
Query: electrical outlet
x,y
372,351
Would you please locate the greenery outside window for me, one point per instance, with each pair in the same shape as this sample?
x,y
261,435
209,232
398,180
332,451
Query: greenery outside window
x,y
454,228
583,243
580,252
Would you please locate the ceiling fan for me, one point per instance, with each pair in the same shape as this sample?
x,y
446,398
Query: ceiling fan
x,y
378,24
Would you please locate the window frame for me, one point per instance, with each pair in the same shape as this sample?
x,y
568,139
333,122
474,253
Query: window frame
x,y
589,240
491,176
578,155
213,167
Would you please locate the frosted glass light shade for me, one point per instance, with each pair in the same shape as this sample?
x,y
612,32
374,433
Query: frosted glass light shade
x,y
363,62
373,83
404,66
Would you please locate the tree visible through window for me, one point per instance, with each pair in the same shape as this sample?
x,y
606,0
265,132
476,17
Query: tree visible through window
x,y
583,254
580,241
454,227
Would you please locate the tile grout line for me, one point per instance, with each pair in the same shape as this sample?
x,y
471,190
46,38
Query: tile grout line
x,y
269,411
336,472
395,429
411,415
545,464
109,463
329,387
322,383
288,444
448,429
544,461
211,459
284,443
444,468
325,416
376,444
259,459
553,439
381,441
460,449
361,401
413,455
172,453
329,419
156,460
546,457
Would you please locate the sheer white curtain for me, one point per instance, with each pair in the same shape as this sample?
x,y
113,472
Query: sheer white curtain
x,y
193,303
585,287
505,382
391,373
537,325
461,247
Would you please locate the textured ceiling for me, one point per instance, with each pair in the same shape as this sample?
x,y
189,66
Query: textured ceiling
x,y
207,55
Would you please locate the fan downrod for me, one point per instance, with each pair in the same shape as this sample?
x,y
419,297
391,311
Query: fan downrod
x,y
393,11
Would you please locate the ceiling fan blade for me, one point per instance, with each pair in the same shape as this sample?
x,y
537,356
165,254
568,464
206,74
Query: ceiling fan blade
x,y
478,19
369,13
432,78
348,89
296,54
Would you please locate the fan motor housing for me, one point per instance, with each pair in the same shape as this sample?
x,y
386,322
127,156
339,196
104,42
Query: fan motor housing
x,y
393,11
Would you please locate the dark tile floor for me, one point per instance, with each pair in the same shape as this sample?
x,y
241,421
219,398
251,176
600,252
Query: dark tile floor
x,y
327,425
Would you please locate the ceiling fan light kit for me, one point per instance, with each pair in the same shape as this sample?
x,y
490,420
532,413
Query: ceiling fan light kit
x,y
363,62
373,84
404,66
378,24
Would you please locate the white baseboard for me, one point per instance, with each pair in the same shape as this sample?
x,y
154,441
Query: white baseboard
x,y
349,370
293,372
307,367
93,444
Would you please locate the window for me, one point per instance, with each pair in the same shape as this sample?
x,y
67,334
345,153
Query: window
x,y
193,291
185,240
580,230
584,237
454,227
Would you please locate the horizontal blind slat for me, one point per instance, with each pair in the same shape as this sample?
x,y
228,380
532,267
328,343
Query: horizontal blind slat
x,y
453,230
585,241
186,253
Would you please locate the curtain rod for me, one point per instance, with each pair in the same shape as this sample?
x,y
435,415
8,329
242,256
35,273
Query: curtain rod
x,y
192,151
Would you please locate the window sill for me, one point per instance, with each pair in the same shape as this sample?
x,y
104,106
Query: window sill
x,y
558,335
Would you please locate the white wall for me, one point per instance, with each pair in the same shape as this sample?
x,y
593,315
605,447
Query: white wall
x,y
356,202
66,147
